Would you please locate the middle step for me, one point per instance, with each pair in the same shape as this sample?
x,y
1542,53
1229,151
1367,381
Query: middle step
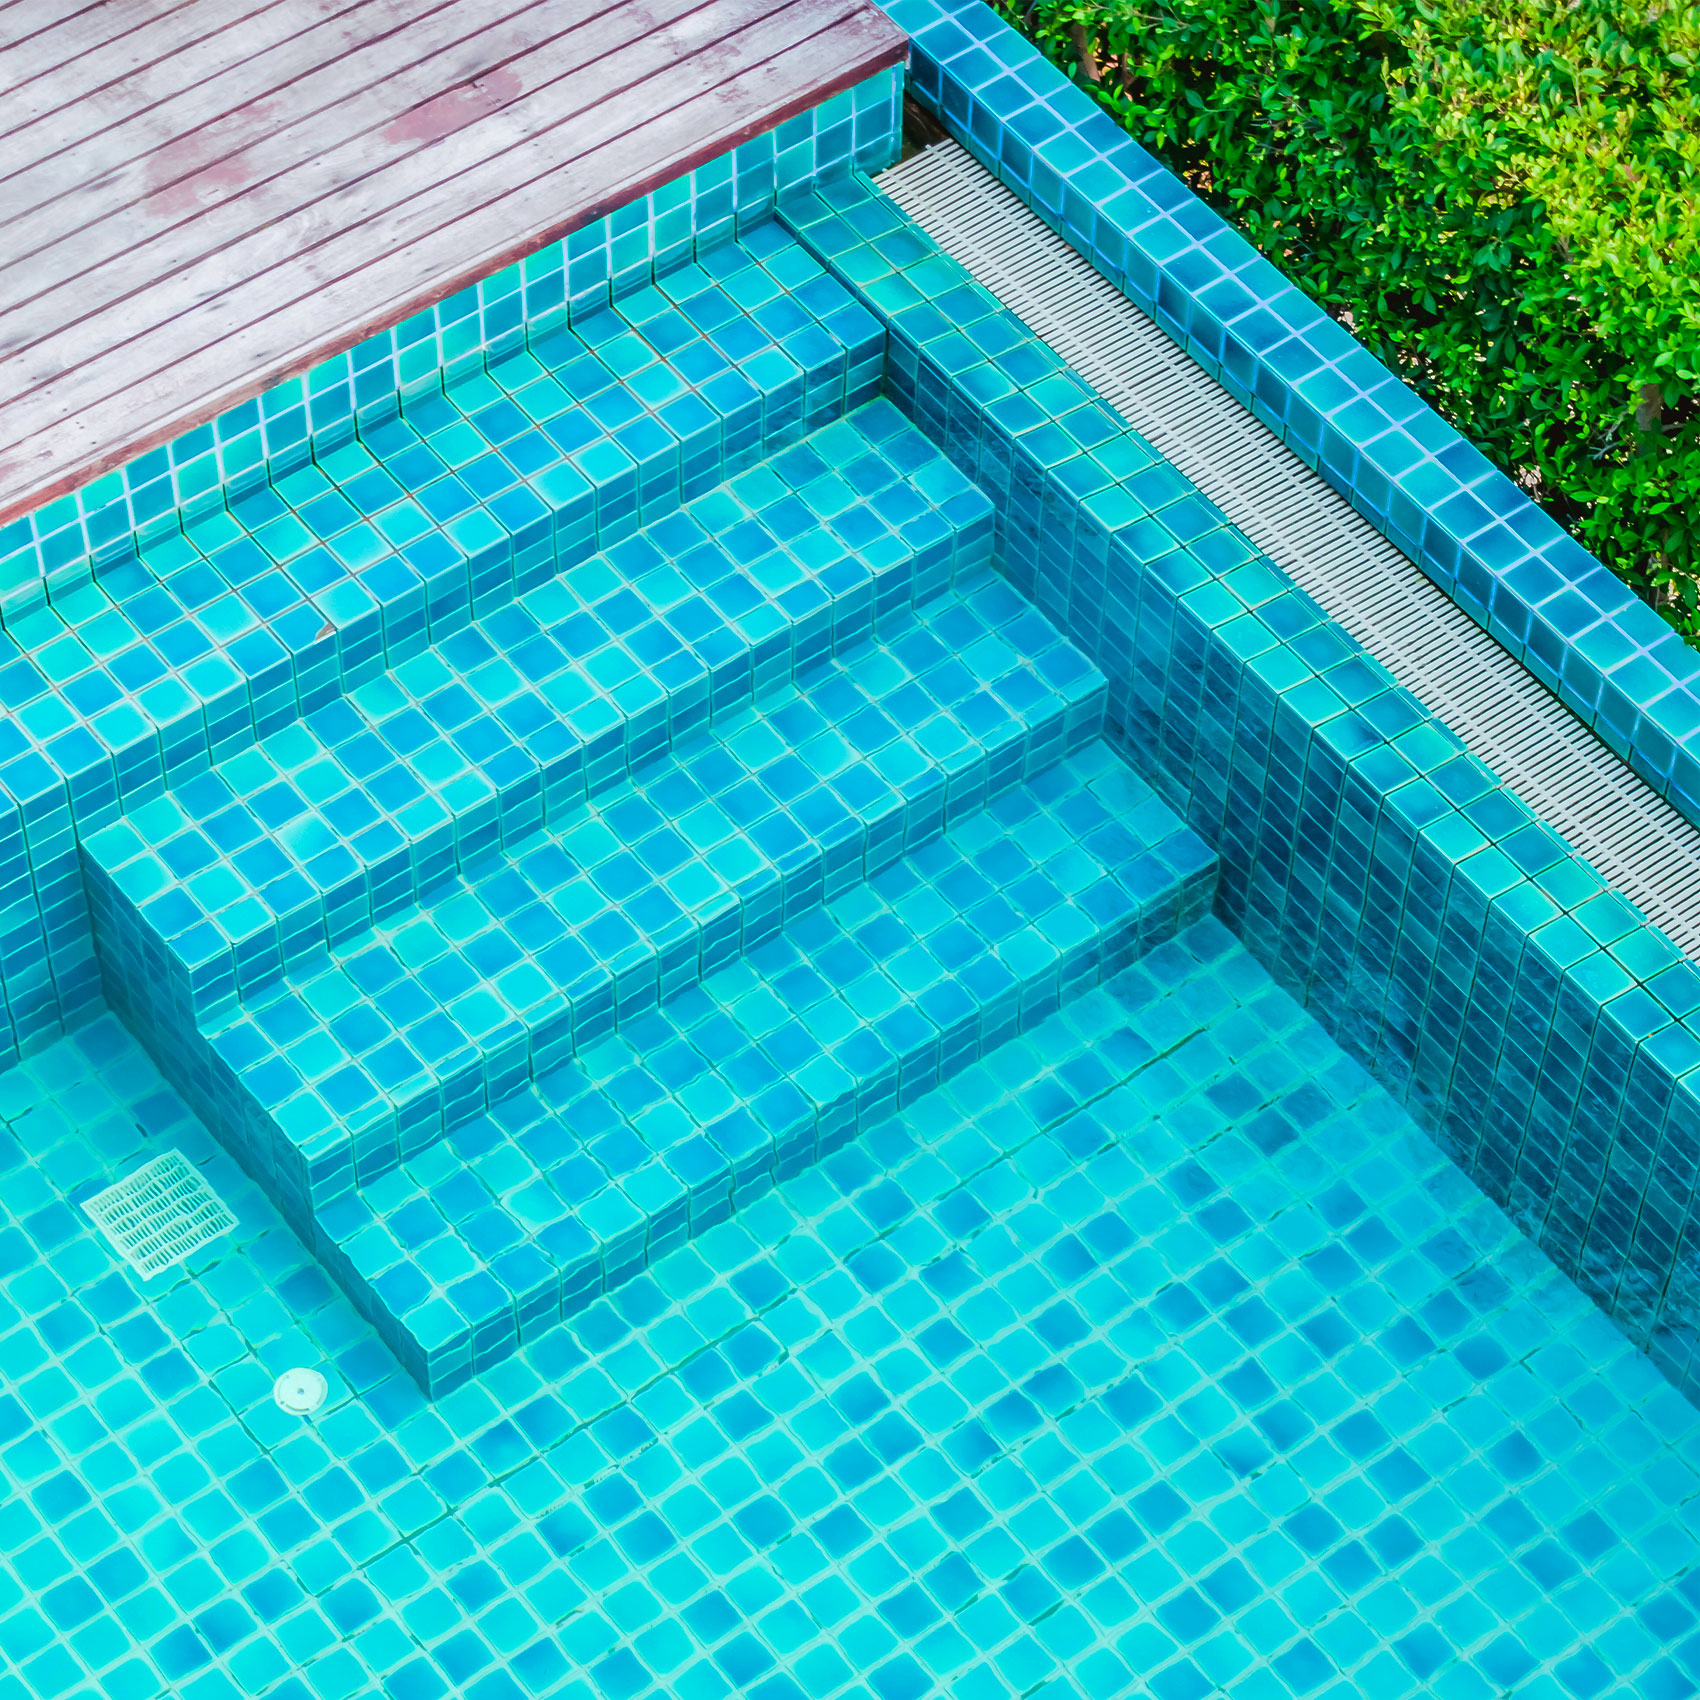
x,y
378,1048
370,1050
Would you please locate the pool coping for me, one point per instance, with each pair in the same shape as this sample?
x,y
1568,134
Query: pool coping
x,y
1554,606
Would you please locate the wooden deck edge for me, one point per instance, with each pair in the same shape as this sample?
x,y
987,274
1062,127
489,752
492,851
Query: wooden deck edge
x,y
872,60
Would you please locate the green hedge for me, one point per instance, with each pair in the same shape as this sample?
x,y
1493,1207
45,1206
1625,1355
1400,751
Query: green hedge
x,y
1500,198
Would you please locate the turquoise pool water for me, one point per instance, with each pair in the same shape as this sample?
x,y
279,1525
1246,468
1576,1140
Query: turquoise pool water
x,y
1156,1353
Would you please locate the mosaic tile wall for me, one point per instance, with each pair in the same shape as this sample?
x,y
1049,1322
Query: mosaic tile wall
x,y
220,611
1449,940
1157,1355
1573,623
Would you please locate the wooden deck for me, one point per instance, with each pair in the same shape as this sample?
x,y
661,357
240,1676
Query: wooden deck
x,y
199,199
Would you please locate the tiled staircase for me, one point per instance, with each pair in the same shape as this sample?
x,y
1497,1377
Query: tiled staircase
x,y
515,964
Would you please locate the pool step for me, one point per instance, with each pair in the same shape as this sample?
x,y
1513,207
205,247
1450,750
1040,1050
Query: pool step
x,y
375,1051
263,610
204,897
575,1182
535,950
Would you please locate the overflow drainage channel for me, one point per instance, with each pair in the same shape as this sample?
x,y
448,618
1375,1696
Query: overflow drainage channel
x,y
1505,717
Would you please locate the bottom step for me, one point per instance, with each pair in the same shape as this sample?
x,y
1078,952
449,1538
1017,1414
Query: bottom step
x,y
577,1183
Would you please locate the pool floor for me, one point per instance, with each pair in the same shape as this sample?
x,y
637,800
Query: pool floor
x,y
1157,1353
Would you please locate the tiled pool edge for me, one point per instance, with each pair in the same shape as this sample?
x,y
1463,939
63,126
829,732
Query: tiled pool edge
x,y
71,540
1576,627
1535,1001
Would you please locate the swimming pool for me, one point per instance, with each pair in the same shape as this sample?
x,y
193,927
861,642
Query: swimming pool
x,y
823,1003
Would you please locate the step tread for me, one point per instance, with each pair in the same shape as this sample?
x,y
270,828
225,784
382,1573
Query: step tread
x,y
646,1139
414,1027
551,697
211,636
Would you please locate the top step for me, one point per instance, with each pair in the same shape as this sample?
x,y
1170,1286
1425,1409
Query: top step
x,y
256,614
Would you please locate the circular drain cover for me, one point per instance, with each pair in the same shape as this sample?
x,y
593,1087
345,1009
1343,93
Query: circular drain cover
x,y
300,1390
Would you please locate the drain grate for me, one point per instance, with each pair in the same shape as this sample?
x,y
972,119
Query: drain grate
x,y
1505,717
160,1214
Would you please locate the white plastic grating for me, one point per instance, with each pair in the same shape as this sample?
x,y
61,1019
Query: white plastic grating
x,y
1505,717
160,1214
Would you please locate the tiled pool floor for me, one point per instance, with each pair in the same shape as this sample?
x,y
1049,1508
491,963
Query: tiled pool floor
x,y
1156,1353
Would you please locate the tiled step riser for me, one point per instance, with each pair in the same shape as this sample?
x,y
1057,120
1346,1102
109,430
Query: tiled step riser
x,y
137,962
538,1296
549,737
588,1014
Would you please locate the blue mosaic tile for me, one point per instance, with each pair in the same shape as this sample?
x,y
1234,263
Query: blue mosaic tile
x,y
671,876
485,737
760,579
395,916
1158,1353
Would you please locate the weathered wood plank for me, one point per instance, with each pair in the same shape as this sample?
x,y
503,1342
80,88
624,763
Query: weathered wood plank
x,y
402,170
211,139
22,20
79,143
153,30
371,263
25,21
37,36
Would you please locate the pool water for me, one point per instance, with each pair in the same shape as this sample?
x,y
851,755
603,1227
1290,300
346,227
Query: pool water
x,y
1156,1352
658,884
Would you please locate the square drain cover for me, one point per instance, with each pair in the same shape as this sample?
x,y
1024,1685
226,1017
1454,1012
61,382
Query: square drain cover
x,y
158,1215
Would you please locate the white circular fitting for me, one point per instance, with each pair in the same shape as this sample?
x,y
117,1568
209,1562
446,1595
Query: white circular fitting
x,y
301,1391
